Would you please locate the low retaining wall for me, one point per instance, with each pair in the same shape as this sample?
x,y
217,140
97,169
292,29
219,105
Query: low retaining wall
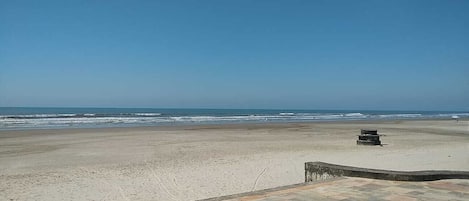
x,y
317,171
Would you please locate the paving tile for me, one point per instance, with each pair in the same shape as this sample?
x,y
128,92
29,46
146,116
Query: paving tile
x,y
347,188
398,190
400,198
412,185
415,193
459,194
447,185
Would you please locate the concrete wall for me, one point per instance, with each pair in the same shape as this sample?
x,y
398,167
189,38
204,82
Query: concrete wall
x,y
317,171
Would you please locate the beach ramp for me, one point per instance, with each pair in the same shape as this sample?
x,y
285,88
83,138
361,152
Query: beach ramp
x,y
326,181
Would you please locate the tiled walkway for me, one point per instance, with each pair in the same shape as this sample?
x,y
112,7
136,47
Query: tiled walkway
x,y
349,188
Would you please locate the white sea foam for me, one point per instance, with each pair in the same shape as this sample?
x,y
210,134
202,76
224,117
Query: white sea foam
x,y
354,115
91,119
455,114
147,114
38,116
400,115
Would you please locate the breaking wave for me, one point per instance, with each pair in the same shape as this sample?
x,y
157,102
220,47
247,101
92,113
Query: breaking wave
x,y
18,121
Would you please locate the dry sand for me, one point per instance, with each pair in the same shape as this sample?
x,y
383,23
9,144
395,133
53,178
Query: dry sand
x,y
195,162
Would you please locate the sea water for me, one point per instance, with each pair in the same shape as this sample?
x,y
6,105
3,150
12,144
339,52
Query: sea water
x,y
32,117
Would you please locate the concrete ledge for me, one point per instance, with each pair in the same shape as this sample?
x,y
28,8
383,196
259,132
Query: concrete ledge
x,y
319,171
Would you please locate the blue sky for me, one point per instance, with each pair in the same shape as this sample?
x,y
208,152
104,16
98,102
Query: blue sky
x,y
392,55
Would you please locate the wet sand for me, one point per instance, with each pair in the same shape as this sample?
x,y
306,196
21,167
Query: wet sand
x,y
195,162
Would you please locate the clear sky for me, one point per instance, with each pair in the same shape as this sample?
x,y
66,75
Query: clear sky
x,y
390,55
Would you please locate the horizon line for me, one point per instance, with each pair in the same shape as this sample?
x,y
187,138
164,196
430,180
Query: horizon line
x,y
208,108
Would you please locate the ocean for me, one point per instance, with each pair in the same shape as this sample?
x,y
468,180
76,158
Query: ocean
x,y
13,118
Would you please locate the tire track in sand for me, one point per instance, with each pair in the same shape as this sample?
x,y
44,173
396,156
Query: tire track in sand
x,y
159,181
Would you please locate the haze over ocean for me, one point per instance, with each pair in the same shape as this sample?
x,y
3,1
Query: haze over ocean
x,y
339,55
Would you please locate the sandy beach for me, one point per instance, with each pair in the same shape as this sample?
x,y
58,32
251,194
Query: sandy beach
x,y
196,162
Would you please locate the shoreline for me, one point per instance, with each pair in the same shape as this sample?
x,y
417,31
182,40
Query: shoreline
x,y
220,125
